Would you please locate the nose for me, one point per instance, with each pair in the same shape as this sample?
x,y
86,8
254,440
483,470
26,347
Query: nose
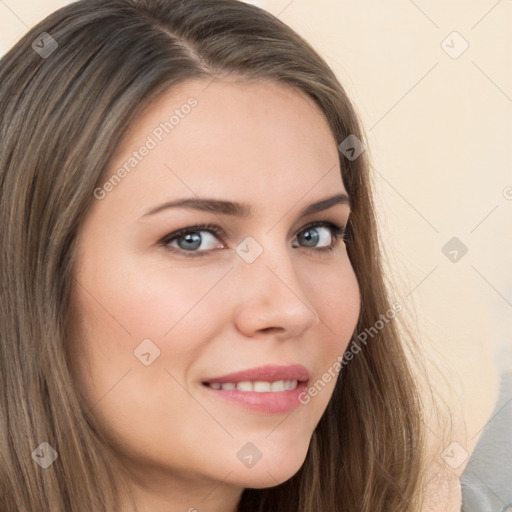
x,y
271,297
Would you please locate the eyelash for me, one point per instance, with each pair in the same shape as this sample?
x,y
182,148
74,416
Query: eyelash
x,y
337,232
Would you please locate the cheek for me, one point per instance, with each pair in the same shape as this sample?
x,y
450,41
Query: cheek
x,y
122,306
135,404
146,301
334,293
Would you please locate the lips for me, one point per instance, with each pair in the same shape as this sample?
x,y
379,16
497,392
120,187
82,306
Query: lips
x,y
270,389
268,373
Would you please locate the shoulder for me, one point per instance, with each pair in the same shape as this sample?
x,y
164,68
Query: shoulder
x,y
486,482
455,435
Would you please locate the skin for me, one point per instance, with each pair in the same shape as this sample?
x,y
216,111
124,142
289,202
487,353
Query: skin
x,y
255,142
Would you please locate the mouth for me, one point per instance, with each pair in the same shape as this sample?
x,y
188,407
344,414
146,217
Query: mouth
x,y
259,386
267,389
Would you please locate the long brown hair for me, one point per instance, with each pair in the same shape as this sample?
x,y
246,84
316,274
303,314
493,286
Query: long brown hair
x,y
68,90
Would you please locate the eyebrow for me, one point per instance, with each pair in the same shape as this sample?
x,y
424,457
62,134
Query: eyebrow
x,y
241,210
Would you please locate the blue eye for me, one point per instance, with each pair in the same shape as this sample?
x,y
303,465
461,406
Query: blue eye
x,y
311,237
188,240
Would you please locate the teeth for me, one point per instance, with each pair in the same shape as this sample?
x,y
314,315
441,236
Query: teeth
x,y
278,385
288,384
243,386
257,386
261,386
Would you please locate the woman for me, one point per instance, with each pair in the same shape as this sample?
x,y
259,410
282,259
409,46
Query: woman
x,y
265,373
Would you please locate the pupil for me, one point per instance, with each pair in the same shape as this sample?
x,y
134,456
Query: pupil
x,y
191,239
311,238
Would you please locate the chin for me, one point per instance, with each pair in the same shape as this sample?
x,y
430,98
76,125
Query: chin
x,y
272,470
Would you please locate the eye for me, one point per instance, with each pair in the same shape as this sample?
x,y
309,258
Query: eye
x,y
188,241
312,235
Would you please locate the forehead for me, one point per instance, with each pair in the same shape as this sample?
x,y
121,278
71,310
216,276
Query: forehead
x,y
238,136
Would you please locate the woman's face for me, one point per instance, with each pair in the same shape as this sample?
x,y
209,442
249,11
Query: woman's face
x,y
158,316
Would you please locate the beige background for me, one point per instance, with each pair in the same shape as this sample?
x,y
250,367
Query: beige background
x,y
439,131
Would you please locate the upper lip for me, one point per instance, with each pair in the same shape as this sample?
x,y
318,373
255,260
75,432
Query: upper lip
x,y
268,373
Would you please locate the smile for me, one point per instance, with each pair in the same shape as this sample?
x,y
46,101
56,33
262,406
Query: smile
x,y
269,389
257,386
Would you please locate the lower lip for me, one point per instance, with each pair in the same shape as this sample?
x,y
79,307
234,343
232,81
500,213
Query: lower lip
x,y
271,402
